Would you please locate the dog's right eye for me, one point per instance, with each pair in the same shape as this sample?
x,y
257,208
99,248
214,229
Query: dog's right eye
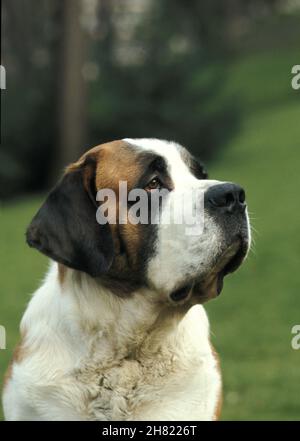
x,y
154,184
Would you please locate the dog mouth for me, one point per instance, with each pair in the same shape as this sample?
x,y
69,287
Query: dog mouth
x,y
229,261
211,286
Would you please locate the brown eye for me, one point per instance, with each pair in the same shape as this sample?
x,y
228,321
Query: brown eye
x,y
153,184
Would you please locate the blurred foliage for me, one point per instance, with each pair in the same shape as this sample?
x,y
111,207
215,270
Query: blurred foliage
x,y
152,69
139,86
251,321
28,103
174,90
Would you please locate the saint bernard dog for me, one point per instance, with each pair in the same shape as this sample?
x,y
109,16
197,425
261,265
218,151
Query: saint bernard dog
x,y
117,330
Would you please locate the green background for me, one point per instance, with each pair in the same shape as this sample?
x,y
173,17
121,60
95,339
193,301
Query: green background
x,y
251,321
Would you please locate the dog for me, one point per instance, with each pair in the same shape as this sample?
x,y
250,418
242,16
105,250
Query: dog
x,y
118,331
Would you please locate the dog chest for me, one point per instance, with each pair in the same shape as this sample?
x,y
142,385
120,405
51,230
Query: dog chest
x,y
142,389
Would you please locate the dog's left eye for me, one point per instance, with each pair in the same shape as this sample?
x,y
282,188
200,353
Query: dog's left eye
x,y
154,184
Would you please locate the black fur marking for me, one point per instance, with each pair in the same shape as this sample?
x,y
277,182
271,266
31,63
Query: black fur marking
x,y
66,230
181,293
125,278
154,164
196,167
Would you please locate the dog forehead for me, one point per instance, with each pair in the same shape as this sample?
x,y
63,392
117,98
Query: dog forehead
x,y
117,152
116,161
174,154
125,160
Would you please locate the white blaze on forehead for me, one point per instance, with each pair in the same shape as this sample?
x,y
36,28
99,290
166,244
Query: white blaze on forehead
x,y
178,256
178,169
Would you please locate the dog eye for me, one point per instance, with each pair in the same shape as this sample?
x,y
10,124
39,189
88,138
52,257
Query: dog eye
x,y
154,184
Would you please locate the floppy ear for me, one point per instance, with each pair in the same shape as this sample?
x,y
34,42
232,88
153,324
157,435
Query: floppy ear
x,y
65,228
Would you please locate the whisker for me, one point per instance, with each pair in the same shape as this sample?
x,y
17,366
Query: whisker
x,y
254,230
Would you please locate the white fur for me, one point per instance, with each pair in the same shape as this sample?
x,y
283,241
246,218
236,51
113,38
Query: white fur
x,y
180,256
94,356
91,355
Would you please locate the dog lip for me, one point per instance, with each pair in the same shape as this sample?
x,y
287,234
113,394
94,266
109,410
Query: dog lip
x,y
220,280
181,293
228,262
211,286
233,264
236,261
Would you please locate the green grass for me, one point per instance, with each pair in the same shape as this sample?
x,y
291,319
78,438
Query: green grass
x,y
21,272
251,322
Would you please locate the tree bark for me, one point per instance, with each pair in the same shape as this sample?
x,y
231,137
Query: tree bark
x,y
72,89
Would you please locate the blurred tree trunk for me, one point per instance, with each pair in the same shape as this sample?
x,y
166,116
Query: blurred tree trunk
x,y
72,90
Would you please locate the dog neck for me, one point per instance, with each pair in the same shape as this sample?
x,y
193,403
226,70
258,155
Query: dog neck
x,y
92,319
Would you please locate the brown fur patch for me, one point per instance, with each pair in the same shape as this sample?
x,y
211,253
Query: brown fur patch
x,y
103,167
116,162
119,162
62,271
108,164
18,356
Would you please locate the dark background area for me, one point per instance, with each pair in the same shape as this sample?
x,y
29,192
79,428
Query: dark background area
x,y
86,71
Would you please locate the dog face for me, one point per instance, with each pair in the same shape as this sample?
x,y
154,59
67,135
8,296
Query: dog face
x,y
162,255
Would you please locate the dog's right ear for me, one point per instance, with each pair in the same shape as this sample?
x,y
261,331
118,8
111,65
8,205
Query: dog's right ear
x,y
65,228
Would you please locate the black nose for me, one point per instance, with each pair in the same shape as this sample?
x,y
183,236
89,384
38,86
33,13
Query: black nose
x,y
226,197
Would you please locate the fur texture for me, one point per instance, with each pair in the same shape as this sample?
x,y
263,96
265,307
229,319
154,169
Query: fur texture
x,y
104,339
90,355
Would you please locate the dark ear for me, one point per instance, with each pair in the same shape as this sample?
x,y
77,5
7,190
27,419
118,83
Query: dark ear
x,y
65,228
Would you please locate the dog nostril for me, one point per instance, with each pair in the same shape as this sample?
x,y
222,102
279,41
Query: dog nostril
x,y
229,197
223,199
242,196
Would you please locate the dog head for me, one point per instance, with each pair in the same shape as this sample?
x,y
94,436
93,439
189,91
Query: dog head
x,y
148,249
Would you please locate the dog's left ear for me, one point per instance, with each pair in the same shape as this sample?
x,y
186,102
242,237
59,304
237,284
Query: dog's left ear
x,y
65,228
